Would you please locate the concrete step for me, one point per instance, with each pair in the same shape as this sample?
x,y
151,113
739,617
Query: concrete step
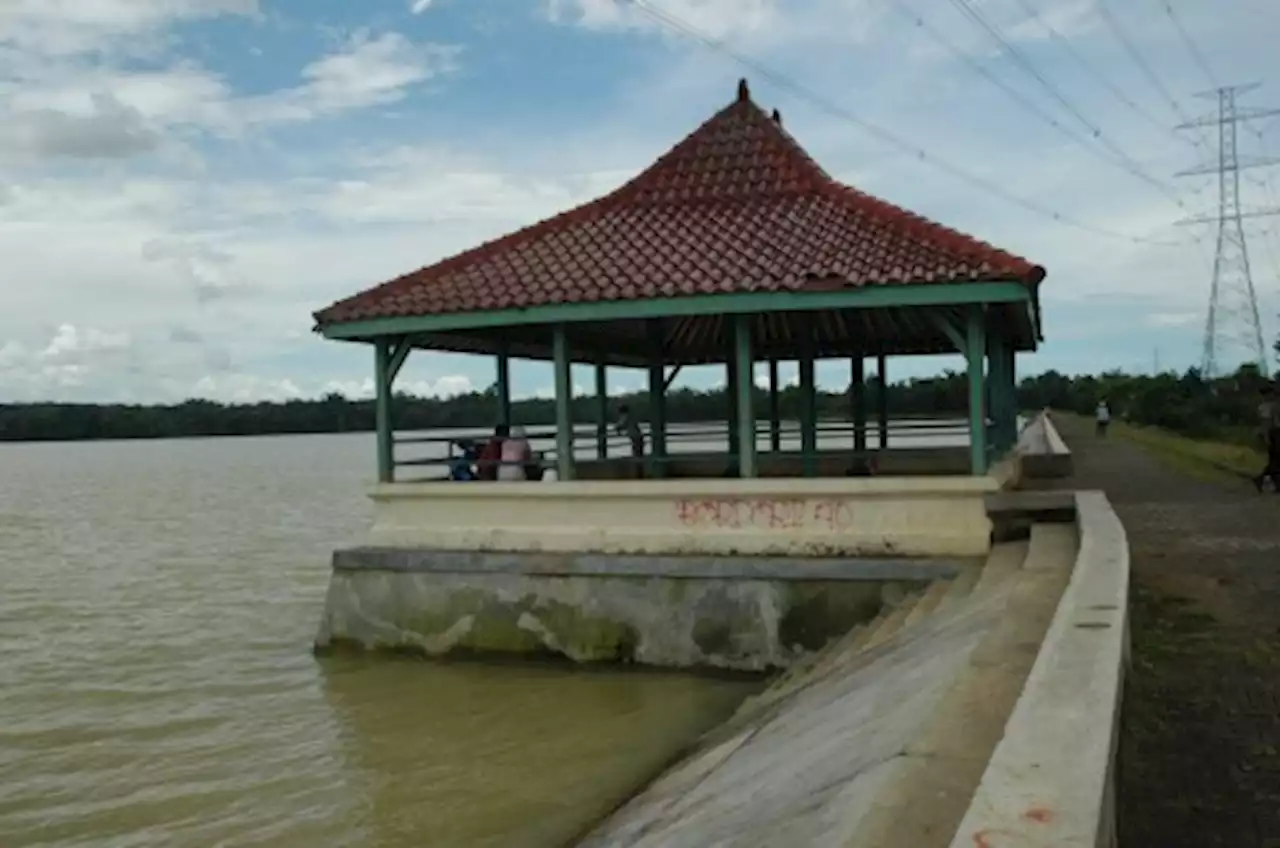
x,y
928,602
893,622
961,587
1052,547
1003,562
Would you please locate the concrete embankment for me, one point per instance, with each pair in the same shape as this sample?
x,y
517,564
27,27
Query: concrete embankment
x,y
883,737
673,612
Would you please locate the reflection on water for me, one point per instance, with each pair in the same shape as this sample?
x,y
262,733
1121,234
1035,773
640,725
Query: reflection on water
x,y
157,604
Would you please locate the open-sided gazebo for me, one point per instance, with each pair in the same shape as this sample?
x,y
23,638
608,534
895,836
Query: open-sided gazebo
x,y
735,247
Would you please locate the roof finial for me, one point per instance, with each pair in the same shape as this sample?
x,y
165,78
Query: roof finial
x,y
744,93
777,117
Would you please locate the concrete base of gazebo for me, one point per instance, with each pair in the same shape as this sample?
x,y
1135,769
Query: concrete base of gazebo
x,y
883,516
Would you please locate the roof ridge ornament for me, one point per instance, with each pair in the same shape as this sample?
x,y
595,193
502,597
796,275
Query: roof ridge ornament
x,y
777,117
744,93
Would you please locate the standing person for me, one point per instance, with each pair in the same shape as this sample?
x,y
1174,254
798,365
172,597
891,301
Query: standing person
x,y
515,456
1102,417
1269,425
491,454
628,426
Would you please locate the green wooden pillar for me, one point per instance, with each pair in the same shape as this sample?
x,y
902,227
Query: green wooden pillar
x,y
882,401
602,411
564,404
858,397
504,386
775,409
731,416
657,400
808,408
745,388
382,354
975,352
1011,370
997,393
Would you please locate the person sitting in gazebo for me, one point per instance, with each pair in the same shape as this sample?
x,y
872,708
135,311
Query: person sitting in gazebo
x,y
515,456
491,454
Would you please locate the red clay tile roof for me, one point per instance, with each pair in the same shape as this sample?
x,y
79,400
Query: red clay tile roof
x,y
737,206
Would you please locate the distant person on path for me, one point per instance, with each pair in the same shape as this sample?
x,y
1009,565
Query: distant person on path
x,y
491,454
1102,417
628,426
515,456
1269,427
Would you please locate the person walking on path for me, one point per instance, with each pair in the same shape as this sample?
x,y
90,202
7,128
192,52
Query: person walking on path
x,y
1269,427
1102,417
628,426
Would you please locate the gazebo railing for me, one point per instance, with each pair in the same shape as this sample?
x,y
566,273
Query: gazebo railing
x,y
716,437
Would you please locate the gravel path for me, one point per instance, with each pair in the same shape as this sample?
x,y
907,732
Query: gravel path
x,y
1200,737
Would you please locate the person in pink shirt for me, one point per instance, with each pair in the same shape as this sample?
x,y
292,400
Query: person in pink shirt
x,y
516,454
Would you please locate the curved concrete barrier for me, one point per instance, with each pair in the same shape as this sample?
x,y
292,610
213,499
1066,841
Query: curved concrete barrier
x,y
1042,452
1050,780
980,712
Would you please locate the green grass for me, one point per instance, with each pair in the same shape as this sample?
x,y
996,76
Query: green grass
x,y
1199,457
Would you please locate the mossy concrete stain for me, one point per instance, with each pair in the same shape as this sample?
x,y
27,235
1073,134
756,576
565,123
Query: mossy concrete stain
x,y
746,625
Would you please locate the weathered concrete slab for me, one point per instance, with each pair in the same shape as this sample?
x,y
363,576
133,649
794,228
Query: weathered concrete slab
x,y
1051,779
810,768
1042,452
821,518
735,623
423,560
875,743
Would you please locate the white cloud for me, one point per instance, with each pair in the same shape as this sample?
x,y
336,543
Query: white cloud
x,y
420,6
71,27
211,275
447,386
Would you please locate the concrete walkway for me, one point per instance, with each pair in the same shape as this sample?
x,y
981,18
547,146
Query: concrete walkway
x,y
1200,739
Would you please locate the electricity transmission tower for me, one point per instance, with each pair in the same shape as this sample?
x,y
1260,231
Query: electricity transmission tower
x,y
1233,320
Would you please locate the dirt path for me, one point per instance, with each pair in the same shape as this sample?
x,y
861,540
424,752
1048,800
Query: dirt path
x,y
1200,740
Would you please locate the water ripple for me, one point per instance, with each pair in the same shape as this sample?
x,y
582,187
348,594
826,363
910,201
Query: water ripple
x,y
157,686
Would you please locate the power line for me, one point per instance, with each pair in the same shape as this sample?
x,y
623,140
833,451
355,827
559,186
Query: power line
x,y
1136,55
1097,75
1196,55
1017,96
886,136
967,9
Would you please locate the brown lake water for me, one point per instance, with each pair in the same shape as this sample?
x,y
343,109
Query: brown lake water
x,y
157,686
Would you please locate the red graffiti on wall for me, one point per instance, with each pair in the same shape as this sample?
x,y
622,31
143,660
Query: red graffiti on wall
x,y
832,514
742,513
762,513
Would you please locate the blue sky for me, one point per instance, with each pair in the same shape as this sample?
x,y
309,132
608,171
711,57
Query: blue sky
x,y
183,181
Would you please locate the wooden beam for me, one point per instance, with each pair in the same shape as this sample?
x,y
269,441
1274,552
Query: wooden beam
x,y
504,387
382,355
775,410
975,353
602,411
398,355
864,297
564,405
808,406
745,390
882,401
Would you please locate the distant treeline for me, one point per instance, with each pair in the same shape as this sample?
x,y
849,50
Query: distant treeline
x,y
337,414
1223,408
